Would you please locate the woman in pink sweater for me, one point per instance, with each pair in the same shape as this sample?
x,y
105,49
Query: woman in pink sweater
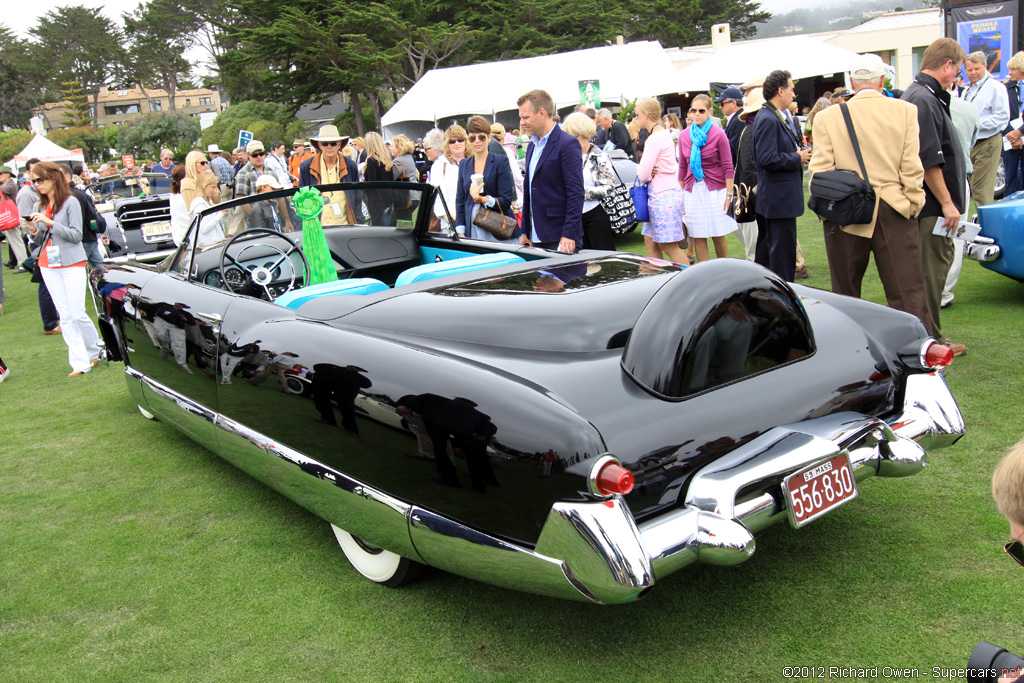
x,y
706,174
665,198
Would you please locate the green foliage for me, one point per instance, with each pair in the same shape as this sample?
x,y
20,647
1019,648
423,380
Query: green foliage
x,y
90,140
243,116
76,110
79,44
346,121
159,33
267,132
628,110
677,23
110,135
21,80
13,143
145,137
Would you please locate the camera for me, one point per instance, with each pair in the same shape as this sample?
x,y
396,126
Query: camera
x,y
988,662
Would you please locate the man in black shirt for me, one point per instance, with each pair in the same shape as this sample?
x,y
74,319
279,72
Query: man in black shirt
x,y
618,134
945,172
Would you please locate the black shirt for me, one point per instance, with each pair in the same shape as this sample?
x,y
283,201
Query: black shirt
x,y
619,135
939,143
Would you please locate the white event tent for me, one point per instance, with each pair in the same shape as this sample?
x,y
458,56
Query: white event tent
x,y
43,149
802,56
639,69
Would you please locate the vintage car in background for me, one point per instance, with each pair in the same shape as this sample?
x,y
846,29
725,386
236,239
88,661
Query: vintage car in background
x,y
1000,245
138,229
578,426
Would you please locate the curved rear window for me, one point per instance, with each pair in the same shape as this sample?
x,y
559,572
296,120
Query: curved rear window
x,y
712,325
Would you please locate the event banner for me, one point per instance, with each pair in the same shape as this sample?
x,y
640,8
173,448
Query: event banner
x,y
990,28
590,93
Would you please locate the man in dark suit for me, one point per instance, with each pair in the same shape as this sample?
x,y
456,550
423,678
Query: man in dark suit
x,y
1012,157
553,188
731,102
780,192
617,132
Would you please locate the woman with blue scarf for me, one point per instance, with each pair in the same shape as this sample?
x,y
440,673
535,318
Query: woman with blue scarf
x,y
706,174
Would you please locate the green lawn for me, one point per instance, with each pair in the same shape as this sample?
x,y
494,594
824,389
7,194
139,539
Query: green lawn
x,y
129,553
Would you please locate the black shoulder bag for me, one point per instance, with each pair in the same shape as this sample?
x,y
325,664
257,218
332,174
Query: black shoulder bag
x,y
841,196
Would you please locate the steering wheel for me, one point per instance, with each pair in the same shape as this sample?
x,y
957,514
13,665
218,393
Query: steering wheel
x,y
261,276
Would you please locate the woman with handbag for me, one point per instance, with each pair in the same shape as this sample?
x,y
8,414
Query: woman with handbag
x,y
659,167
57,243
599,180
706,174
379,168
490,198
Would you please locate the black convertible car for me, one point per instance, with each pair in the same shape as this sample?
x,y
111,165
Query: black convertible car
x,y
577,426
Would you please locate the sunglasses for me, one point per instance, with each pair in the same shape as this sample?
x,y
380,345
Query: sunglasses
x,y
1015,549
459,140
473,137
258,154
43,180
698,111
333,143
202,163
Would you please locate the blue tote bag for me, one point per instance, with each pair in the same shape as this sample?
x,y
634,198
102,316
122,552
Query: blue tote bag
x,y
639,194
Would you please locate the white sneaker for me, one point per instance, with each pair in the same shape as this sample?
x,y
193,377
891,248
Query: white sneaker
x,y
3,375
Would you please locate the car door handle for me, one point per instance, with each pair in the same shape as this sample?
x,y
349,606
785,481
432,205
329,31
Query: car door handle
x,y
210,317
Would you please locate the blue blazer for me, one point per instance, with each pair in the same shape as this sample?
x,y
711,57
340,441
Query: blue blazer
x,y
553,200
497,184
780,175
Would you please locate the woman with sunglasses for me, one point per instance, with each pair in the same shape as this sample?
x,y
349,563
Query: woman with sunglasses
x,y
706,174
494,189
659,167
57,243
444,174
195,163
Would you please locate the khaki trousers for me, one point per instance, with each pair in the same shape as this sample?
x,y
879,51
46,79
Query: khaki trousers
x,y
896,244
985,156
936,258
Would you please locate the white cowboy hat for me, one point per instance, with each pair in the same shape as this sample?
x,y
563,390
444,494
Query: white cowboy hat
x,y
213,149
329,133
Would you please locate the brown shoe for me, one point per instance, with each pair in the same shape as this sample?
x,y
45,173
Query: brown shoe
x,y
957,349
55,330
801,274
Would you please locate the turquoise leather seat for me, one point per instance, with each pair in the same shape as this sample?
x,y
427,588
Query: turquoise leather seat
x,y
357,286
429,271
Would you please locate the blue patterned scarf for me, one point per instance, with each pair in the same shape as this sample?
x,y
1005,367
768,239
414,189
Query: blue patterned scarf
x,y
699,137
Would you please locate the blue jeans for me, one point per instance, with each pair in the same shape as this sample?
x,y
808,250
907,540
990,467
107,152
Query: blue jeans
x,y
1011,163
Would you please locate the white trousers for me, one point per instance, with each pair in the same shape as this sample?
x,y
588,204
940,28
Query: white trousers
x,y
67,289
747,234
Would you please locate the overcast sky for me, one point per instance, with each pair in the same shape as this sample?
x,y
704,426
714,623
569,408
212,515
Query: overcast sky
x,y
21,15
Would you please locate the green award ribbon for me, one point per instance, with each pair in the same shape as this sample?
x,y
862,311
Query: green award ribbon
x,y
308,206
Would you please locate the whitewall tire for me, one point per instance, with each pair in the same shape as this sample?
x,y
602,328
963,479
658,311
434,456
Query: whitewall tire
x,y
376,564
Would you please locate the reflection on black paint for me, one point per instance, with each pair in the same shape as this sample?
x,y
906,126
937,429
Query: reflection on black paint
x,y
342,385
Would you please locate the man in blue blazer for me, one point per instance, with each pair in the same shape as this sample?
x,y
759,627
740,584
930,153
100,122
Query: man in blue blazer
x,y
780,187
553,196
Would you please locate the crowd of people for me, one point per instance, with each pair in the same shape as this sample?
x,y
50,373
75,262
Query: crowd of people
x,y
926,151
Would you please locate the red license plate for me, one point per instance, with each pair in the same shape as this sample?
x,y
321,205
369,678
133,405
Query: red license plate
x,y
819,488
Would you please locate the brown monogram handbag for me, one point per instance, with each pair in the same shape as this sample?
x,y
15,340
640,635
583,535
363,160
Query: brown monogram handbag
x,y
495,222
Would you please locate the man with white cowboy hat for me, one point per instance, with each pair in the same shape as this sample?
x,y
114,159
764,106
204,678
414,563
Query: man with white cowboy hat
x,y
223,168
327,167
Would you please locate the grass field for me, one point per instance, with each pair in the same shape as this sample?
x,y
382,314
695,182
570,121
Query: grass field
x,y
130,553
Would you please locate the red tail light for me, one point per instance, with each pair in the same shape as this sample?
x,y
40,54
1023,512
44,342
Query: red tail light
x,y
613,478
937,356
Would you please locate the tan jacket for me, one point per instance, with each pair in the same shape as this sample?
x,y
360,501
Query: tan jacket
x,y
888,135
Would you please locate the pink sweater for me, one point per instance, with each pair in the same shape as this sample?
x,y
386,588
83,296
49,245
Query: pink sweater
x,y
659,153
715,159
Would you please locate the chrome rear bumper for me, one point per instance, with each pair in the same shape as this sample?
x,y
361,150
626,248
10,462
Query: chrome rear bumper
x,y
982,249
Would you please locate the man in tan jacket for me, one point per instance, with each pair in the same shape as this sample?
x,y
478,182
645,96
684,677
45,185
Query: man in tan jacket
x,y
887,132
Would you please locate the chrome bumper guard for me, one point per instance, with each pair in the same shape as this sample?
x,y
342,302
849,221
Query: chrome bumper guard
x,y
982,249
602,555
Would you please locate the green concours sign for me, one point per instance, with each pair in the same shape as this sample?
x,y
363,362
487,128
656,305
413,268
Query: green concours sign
x,y
590,93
